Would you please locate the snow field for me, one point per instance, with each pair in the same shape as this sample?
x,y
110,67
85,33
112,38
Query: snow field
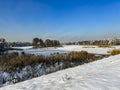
x,y
67,48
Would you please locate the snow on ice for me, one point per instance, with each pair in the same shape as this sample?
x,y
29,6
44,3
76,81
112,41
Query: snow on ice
x,y
66,49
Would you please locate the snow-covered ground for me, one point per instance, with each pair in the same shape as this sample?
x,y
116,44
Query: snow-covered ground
x,y
67,48
99,75
90,49
24,47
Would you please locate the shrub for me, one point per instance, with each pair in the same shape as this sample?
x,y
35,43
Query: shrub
x,y
88,47
115,52
105,46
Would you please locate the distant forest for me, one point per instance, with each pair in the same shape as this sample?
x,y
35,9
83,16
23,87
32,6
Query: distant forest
x,y
47,43
96,42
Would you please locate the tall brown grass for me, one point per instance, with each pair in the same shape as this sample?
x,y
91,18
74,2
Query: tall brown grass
x,y
14,62
115,52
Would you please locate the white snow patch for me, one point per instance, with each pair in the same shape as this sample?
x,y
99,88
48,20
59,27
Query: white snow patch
x,y
24,47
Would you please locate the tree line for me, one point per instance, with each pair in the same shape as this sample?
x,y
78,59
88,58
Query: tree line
x,y
95,42
47,43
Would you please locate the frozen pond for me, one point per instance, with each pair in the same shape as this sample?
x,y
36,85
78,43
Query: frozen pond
x,y
65,49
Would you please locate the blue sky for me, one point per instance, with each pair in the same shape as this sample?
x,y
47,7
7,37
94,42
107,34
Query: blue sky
x,y
66,20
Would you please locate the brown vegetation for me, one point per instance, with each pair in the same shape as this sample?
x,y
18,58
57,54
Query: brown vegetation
x,y
14,62
105,46
115,52
33,65
88,47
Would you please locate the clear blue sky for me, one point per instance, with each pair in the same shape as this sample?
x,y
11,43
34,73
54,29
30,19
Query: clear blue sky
x,y
67,20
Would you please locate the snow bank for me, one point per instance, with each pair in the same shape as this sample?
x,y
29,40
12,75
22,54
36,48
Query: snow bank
x,y
99,75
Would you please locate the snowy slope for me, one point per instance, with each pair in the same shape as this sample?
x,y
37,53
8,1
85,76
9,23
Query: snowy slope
x,y
99,75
